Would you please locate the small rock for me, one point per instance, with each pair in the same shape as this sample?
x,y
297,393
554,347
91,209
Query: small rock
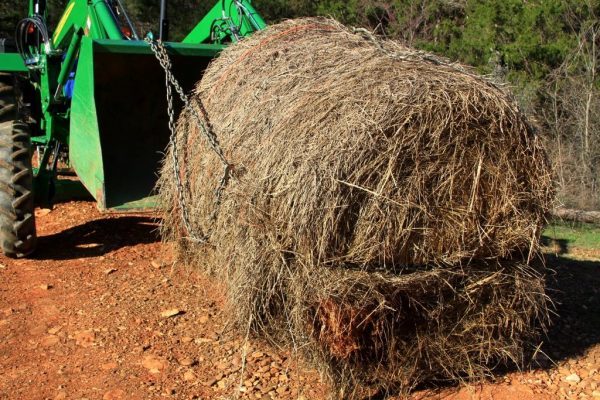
x,y
263,369
564,370
186,362
214,380
54,331
62,395
282,389
49,340
153,364
41,212
85,338
596,394
189,376
573,378
203,319
110,271
170,390
264,362
115,394
109,366
221,366
186,339
158,264
45,286
171,313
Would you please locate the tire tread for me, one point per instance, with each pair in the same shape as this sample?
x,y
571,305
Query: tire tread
x,y
17,219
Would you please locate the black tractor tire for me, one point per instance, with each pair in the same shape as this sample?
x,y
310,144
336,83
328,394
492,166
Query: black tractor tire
x,y
17,219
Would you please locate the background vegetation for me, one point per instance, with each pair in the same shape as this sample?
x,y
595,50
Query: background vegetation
x,y
547,50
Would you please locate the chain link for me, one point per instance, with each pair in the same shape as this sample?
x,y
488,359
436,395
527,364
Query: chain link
x,y
205,127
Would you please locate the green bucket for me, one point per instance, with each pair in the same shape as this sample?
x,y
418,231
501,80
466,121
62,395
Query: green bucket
x,y
119,122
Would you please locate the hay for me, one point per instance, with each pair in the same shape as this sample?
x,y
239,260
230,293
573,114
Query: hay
x,y
383,211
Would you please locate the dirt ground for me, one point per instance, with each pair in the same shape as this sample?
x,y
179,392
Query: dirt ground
x,y
102,312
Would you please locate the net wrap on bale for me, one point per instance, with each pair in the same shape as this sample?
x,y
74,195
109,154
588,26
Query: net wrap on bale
x,y
383,208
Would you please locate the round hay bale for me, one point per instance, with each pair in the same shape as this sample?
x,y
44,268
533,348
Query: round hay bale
x,y
383,206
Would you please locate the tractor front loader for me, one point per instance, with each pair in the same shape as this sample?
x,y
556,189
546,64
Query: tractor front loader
x,y
88,95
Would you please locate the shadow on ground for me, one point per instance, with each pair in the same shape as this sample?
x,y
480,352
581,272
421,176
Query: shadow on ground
x,y
574,286
98,237
559,246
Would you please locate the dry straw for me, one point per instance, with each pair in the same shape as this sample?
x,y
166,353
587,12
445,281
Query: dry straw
x,y
383,212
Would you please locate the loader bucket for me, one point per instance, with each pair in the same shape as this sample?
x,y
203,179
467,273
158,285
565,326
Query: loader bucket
x,y
119,123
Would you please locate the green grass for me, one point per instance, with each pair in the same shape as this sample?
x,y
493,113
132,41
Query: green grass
x,y
586,236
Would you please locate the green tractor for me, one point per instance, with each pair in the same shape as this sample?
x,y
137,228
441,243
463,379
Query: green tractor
x,y
88,97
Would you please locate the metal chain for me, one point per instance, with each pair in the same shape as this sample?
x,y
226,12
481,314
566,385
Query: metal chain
x,y
205,127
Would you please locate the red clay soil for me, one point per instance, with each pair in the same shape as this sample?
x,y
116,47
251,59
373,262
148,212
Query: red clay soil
x,y
102,312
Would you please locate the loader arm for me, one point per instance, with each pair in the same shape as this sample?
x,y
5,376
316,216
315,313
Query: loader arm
x,y
228,20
